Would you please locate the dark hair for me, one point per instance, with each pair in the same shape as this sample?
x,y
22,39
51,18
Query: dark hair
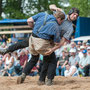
x,y
74,10
9,53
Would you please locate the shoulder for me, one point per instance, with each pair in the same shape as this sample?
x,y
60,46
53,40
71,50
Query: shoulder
x,y
39,14
76,56
70,57
42,13
67,23
12,58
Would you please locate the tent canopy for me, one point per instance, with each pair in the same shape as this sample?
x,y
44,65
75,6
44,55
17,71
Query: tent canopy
x,y
9,21
81,38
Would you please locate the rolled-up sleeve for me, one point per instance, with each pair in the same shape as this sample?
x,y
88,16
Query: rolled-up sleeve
x,y
35,17
57,35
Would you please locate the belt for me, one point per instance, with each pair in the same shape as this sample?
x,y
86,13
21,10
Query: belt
x,y
34,35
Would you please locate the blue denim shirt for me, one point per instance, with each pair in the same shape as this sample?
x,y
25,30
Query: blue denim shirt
x,y
49,30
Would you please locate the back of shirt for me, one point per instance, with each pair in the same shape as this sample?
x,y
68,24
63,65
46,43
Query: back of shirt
x,y
49,30
66,29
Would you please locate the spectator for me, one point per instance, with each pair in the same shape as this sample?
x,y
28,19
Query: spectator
x,y
28,54
83,63
74,59
1,67
17,66
73,45
34,71
0,39
20,36
9,65
88,51
4,45
87,45
14,39
57,53
63,60
23,58
78,45
80,54
71,71
4,38
87,67
84,43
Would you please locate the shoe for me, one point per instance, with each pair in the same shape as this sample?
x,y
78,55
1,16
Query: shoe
x,y
48,82
21,78
3,51
40,82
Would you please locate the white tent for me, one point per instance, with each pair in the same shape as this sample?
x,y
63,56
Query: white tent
x,y
82,38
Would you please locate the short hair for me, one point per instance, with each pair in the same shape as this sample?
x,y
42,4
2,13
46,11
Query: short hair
x,y
74,10
9,53
59,14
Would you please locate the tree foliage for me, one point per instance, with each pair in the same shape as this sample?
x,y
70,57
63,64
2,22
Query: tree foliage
x,y
19,9
13,9
0,7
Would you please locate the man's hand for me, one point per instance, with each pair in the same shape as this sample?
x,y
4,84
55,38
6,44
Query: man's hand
x,y
57,66
62,66
30,22
49,52
53,7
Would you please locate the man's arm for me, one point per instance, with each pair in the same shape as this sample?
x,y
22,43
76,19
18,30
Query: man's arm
x,y
53,7
57,45
30,22
65,63
80,66
73,71
58,64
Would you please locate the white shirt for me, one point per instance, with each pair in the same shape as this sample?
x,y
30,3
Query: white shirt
x,y
68,72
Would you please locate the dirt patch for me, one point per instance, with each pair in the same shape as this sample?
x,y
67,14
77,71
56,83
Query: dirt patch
x,y
59,83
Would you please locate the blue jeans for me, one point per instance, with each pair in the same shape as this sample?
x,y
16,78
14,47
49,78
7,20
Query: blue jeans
x,y
33,73
11,70
62,71
18,69
81,71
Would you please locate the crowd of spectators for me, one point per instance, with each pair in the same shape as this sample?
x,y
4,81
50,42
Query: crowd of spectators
x,y
73,59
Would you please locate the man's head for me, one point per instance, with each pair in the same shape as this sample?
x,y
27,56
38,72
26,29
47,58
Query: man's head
x,y
79,44
73,14
73,44
22,52
88,49
82,48
84,52
72,52
67,67
59,16
8,55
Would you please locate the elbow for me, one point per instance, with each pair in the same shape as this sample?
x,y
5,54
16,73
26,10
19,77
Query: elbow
x,y
30,20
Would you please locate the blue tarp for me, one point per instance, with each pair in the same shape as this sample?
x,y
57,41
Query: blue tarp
x,y
7,21
82,27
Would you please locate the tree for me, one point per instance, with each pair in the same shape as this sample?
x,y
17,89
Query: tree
x,y
0,7
14,9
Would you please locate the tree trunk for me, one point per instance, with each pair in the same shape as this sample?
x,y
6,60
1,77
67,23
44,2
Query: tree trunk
x,y
0,7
